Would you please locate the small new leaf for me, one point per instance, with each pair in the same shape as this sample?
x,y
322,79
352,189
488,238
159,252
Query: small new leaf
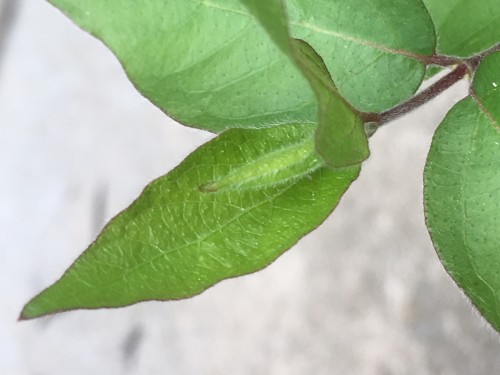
x,y
340,138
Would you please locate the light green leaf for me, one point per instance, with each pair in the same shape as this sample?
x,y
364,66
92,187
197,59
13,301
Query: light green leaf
x,y
465,27
340,137
374,50
462,192
178,239
206,63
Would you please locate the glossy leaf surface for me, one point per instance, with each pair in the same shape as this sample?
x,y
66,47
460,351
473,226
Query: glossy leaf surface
x,y
179,237
465,27
462,192
373,49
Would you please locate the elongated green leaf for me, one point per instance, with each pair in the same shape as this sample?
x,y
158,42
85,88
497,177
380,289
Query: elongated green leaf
x,y
465,27
207,63
340,137
181,237
462,192
373,49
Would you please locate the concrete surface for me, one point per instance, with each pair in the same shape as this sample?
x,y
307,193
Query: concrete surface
x,y
365,294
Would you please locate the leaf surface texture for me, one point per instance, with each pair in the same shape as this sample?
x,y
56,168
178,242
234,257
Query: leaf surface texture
x,y
462,191
178,238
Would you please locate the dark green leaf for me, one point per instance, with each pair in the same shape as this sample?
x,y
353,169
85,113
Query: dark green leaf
x,y
462,192
465,27
229,209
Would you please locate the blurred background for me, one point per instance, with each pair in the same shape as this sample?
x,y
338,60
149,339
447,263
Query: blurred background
x,y
364,294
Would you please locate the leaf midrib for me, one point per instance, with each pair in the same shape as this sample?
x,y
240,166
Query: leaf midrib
x,y
359,41
328,32
210,4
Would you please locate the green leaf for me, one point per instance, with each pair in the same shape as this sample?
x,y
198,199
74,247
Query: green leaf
x,y
374,50
210,64
272,15
465,27
267,190
206,63
432,70
340,138
462,192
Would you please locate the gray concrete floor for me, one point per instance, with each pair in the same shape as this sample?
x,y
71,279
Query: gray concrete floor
x,y
364,294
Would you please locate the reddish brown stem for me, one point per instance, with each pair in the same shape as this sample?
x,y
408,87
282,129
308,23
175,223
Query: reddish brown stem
x,y
422,98
475,60
441,60
464,66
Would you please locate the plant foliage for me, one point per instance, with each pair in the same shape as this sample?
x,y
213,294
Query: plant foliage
x,y
295,87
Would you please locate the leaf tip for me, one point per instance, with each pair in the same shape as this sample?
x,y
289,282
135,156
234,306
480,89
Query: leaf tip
x,y
26,314
21,317
29,312
35,308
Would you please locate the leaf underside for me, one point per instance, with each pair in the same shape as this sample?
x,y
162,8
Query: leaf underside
x,y
210,64
207,64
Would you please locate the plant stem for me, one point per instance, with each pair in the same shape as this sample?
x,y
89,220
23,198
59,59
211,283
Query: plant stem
x,y
418,100
441,60
465,66
476,59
